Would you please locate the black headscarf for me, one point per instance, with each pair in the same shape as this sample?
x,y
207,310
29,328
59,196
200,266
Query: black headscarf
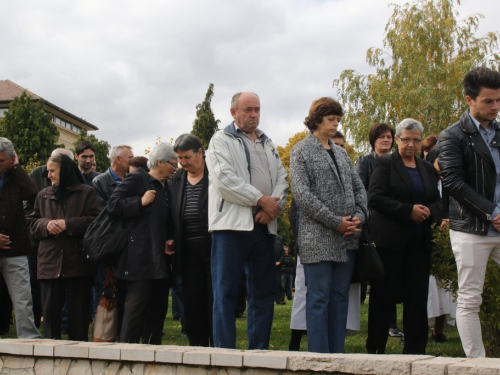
x,y
69,176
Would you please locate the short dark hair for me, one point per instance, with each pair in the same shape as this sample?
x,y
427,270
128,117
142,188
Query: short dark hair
x,y
427,144
320,108
186,142
377,130
139,162
478,78
338,135
84,145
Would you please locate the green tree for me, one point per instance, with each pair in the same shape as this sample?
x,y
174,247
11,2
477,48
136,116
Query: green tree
x,y
419,74
30,129
102,150
205,124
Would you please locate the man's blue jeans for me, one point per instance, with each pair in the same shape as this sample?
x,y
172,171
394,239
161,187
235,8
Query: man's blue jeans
x,y
326,304
233,252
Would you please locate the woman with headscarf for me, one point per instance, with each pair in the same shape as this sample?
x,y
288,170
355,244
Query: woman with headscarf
x,y
59,220
144,268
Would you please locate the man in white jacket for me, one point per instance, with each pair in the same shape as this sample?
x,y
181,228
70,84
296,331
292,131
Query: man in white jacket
x,y
247,191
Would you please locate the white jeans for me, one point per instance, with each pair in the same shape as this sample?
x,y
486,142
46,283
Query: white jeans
x,y
17,277
472,253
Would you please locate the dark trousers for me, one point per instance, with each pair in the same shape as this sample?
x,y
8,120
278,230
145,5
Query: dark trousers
x,y
35,288
144,310
76,290
280,291
406,276
197,292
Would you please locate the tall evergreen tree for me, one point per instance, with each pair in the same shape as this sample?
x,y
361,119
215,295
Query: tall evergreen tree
x,y
30,129
102,150
205,124
427,52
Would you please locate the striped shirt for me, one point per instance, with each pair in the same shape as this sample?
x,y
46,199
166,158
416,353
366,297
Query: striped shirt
x,y
191,223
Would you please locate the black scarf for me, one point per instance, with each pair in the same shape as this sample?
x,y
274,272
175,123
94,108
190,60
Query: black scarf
x,y
69,176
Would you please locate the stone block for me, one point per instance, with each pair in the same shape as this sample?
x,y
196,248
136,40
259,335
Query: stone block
x,y
191,370
105,351
171,354
61,366
45,348
138,352
13,363
227,358
155,369
435,366
354,363
80,367
44,366
197,357
266,359
72,349
113,368
99,367
476,366
13,346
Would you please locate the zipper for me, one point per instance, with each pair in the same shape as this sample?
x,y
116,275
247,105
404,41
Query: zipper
x,y
488,216
482,176
221,205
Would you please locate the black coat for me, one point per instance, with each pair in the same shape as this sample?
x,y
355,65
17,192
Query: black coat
x,y
391,199
365,166
178,200
469,175
104,184
144,257
17,186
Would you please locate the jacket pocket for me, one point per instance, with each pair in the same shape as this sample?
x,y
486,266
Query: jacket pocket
x,y
221,205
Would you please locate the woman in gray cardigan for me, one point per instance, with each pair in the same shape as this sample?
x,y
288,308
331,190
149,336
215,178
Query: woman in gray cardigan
x,y
329,194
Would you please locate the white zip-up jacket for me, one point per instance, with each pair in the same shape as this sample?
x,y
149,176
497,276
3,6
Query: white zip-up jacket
x,y
230,194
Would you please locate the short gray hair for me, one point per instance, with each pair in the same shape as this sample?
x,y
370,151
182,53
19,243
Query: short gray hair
x,y
163,151
234,100
6,147
59,151
409,124
117,151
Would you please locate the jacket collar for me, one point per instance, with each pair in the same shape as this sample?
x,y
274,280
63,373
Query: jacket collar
x,y
315,141
405,176
475,139
231,129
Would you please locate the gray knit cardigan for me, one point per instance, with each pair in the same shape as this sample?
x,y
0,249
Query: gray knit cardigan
x,y
323,198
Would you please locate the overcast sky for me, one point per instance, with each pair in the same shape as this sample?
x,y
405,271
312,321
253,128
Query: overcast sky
x,y
137,69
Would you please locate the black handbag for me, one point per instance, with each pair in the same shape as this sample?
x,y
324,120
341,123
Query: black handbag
x,y
106,238
368,265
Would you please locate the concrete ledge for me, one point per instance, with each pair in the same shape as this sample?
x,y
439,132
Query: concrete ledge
x,y
75,358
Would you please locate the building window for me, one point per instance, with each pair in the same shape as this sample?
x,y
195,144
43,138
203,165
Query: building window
x,y
2,111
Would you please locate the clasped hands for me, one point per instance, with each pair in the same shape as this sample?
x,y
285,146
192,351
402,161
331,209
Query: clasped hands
x,y
420,213
56,227
270,209
349,225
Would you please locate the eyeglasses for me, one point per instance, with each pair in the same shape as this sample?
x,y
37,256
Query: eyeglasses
x,y
406,141
175,165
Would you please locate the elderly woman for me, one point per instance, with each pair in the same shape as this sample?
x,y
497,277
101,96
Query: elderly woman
x,y
330,195
59,220
143,268
404,200
192,240
381,137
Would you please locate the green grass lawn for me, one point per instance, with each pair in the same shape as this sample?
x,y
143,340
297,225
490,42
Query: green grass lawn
x,y
280,335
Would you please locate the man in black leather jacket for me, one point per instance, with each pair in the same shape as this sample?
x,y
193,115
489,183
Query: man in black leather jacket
x,y
469,159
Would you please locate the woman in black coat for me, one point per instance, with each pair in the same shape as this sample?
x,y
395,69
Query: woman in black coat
x,y
143,268
192,240
404,201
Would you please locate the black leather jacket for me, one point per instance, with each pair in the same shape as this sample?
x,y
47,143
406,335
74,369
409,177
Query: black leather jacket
x,y
104,184
469,175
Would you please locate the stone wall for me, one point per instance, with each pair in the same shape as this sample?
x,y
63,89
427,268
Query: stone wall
x,y
43,357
